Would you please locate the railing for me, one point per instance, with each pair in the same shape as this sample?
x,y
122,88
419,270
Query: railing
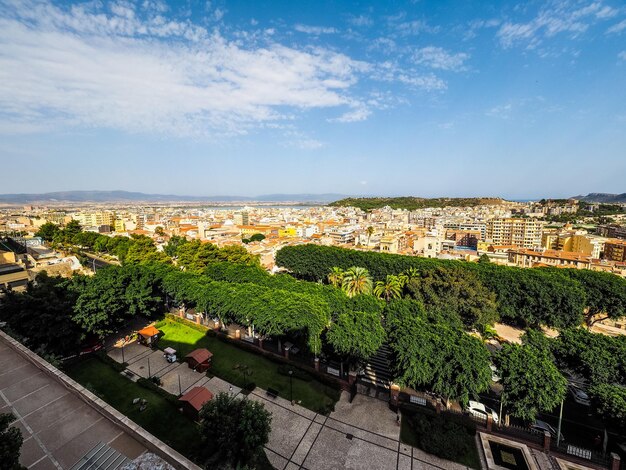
x,y
582,453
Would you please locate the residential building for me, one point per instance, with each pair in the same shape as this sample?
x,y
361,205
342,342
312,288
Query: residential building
x,y
527,258
523,233
615,250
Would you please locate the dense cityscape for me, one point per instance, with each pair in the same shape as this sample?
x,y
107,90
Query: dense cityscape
x,y
312,235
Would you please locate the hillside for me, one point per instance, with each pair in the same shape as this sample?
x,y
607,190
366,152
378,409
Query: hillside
x,y
413,203
603,197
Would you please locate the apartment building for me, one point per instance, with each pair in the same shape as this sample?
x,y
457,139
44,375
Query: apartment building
x,y
612,231
523,233
615,250
574,242
530,258
95,219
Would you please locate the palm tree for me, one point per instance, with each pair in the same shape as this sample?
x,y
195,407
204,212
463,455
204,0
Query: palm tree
x,y
370,232
390,288
335,277
356,280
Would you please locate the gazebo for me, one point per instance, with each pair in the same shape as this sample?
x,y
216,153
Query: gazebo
x,y
148,335
193,400
199,359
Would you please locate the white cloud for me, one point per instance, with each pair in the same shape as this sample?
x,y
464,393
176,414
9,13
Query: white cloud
x,y
361,20
617,28
501,111
439,58
316,30
359,112
622,55
557,17
83,67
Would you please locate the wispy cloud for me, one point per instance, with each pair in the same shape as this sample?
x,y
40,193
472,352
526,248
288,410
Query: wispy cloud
x,y
502,111
617,28
129,69
361,21
316,30
622,55
439,58
557,17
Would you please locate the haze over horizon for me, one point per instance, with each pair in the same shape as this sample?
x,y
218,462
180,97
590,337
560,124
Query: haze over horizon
x,y
238,98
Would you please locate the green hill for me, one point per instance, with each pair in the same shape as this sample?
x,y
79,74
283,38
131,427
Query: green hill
x,y
412,203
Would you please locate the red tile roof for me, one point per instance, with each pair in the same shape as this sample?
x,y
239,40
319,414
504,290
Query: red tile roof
x,y
197,397
200,355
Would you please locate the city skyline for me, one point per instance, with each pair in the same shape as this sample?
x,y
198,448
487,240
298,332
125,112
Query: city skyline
x,y
519,101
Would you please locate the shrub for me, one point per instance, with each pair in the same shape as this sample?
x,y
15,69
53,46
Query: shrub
x,y
442,435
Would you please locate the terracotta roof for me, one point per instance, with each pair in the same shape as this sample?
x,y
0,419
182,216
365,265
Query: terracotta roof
x,y
200,355
197,397
149,331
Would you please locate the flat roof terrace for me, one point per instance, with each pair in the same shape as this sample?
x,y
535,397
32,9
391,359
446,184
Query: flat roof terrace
x,y
60,420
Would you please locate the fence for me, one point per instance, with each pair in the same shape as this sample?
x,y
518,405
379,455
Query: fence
x,y
582,453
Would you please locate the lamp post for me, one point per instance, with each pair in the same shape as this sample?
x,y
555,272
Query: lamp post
x,y
123,361
291,386
558,432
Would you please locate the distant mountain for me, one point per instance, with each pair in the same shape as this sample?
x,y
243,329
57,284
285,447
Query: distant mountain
x,y
603,197
128,196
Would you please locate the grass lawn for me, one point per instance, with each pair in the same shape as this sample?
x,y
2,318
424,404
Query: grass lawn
x,y
313,394
161,417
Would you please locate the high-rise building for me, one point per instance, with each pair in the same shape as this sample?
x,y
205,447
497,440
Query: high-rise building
x,y
524,233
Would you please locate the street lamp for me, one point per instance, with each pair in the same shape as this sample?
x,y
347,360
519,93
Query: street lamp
x,y
291,386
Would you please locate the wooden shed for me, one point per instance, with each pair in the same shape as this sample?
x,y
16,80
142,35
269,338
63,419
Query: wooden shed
x,y
148,335
199,359
193,400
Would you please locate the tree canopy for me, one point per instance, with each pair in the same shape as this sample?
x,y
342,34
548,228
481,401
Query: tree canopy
x,y
10,443
357,335
233,430
429,352
530,379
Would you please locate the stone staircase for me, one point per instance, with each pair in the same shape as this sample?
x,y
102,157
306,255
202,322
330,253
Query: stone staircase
x,y
376,371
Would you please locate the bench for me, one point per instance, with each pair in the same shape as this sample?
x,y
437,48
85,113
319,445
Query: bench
x,y
272,393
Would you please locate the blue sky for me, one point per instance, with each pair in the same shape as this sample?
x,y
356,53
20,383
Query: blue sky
x,y
426,98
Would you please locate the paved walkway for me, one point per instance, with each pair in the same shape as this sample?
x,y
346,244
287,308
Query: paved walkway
x,y
361,434
302,439
58,426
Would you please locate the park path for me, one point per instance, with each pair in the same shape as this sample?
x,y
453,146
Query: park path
x,y
361,434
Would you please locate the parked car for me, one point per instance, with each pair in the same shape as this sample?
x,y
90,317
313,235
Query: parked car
x,y
495,377
481,410
579,395
540,426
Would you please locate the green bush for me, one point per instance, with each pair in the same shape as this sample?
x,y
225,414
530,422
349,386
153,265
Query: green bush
x,y
442,435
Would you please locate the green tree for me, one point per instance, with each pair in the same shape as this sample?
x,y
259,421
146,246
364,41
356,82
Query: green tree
x,y
390,288
48,231
610,402
429,352
530,379
233,430
159,231
42,315
10,443
171,249
356,280
335,277
484,258
456,292
356,335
